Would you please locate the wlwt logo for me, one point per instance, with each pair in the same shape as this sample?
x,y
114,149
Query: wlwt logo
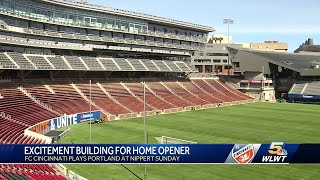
x,y
276,153
243,153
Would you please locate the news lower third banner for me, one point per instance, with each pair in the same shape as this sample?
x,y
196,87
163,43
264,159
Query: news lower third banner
x,y
275,152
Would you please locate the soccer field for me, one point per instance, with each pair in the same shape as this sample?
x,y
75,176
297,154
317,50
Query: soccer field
x,y
250,123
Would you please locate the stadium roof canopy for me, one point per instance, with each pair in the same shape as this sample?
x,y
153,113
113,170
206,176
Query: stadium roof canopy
x,y
253,60
121,12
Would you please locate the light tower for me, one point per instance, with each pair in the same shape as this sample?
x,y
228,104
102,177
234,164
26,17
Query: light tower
x,y
228,21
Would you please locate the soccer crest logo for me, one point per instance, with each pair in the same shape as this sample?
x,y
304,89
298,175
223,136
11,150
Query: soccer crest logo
x,y
243,153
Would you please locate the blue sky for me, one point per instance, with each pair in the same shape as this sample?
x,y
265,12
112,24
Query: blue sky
x,y
290,21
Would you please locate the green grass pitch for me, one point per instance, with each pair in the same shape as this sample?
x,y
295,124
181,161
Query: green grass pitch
x,y
250,123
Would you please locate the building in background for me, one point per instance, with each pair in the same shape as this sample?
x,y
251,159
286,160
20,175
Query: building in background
x,y
214,58
308,47
268,75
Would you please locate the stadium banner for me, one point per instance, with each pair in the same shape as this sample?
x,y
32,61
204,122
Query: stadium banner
x,y
303,96
63,121
274,153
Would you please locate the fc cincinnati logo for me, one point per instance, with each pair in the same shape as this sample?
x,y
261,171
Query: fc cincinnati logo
x,y
243,153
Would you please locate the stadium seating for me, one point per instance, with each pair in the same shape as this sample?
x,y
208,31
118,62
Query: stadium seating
x,y
55,62
183,66
39,62
150,65
101,99
25,172
200,93
58,62
226,90
167,95
21,60
161,91
177,89
222,97
71,103
161,65
313,88
92,63
75,63
172,66
307,88
137,65
117,91
20,107
123,64
5,62
151,99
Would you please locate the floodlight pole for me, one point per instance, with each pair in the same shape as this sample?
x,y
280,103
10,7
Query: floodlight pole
x,y
90,113
145,125
228,21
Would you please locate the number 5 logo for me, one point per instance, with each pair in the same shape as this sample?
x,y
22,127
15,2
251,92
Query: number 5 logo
x,y
276,148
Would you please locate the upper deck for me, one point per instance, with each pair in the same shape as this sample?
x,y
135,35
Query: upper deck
x,y
131,14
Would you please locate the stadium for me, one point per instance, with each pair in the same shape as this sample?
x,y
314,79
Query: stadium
x,y
62,62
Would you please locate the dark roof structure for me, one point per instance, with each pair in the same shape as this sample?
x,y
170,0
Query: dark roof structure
x,y
252,60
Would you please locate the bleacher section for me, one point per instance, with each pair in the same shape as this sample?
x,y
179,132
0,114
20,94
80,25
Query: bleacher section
x,y
120,94
71,102
75,63
21,60
26,172
313,88
183,66
151,99
109,64
297,88
58,62
40,62
184,94
149,65
22,108
6,63
101,99
172,66
305,91
92,63
164,93
123,64
137,64
161,65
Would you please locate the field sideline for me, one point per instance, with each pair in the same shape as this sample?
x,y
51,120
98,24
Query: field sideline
x,y
250,123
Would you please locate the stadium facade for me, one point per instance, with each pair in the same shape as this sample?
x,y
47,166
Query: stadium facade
x,y
50,50
264,70
62,30
214,58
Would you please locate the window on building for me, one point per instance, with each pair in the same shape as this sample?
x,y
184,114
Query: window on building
x,y
203,60
216,60
217,54
208,69
225,61
199,67
236,64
